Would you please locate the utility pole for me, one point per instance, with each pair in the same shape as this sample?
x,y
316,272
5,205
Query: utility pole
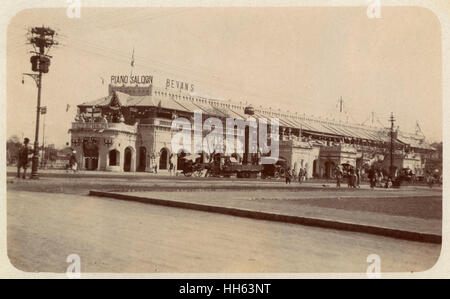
x,y
42,39
391,168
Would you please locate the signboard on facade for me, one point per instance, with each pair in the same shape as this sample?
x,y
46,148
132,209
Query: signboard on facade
x,y
132,79
179,85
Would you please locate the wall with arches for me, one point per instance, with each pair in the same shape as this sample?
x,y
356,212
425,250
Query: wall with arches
x,y
299,154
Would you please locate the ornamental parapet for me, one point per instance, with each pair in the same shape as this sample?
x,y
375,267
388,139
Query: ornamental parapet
x,y
103,126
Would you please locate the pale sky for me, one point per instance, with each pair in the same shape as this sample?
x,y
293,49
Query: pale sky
x,y
296,59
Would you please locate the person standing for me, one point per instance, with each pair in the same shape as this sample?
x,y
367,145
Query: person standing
x,y
358,177
288,176
170,164
300,175
350,177
354,178
338,174
173,164
429,179
305,174
380,178
371,176
22,158
155,162
73,164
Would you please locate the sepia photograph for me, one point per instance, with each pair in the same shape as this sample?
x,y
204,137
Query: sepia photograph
x,y
223,139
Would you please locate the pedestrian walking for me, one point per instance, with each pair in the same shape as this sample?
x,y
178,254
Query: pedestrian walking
x,y
22,158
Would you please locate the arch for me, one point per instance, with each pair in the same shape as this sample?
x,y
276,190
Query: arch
x,y
164,155
114,157
142,158
315,168
128,159
90,153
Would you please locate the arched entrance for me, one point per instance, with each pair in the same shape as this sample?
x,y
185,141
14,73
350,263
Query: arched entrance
x,y
164,159
90,153
127,159
142,158
114,158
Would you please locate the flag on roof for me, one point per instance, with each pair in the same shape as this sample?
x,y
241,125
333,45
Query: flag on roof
x,y
132,59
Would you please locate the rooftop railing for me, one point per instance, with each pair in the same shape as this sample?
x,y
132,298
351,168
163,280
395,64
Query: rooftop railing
x,y
103,126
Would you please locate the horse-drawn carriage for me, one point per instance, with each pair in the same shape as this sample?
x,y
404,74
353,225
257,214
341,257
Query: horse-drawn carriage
x,y
275,170
221,165
193,166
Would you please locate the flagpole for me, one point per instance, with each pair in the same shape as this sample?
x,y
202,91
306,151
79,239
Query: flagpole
x,y
132,64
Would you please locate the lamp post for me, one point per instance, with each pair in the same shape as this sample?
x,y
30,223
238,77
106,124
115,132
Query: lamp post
x,y
35,160
41,38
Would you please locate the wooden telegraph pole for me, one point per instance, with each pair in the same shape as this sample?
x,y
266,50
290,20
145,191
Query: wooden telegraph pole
x,y
42,39
391,168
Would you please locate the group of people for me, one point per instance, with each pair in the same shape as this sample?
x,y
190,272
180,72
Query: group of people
x,y
377,178
432,178
352,174
291,174
24,156
173,161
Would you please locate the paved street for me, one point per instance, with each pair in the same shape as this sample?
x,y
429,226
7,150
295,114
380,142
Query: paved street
x,y
119,236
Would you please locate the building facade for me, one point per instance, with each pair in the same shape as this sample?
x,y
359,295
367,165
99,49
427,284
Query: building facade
x,y
130,130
